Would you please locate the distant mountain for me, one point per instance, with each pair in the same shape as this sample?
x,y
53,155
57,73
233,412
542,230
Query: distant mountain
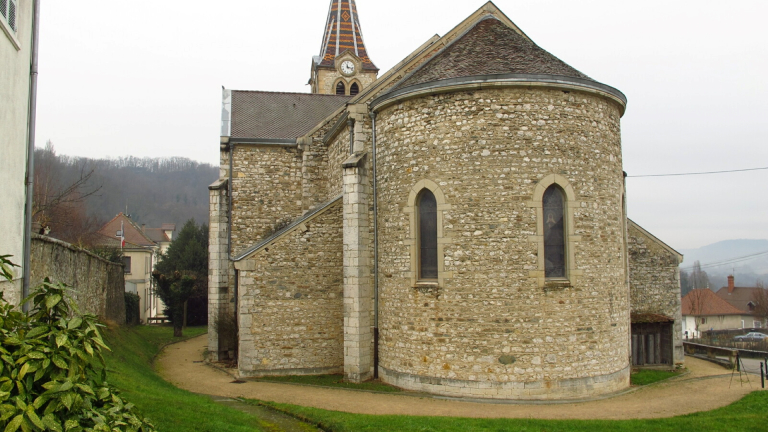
x,y
746,259
153,191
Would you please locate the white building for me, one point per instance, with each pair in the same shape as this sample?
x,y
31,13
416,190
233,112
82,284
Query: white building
x,y
16,40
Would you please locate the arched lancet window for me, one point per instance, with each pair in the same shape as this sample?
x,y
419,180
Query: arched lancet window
x,y
354,89
553,203
427,205
340,89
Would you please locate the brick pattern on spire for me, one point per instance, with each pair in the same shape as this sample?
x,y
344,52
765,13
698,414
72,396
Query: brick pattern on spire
x,y
342,33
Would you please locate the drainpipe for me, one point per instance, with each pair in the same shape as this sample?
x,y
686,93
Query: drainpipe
x,y
30,152
375,252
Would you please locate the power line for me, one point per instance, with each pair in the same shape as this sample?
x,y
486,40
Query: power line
x,y
728,261
698,173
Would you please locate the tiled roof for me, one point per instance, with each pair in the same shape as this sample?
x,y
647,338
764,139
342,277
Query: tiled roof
x,y
739,298
342,33
156,235
271,115
133,233
168,227
490,47
704,302
649,318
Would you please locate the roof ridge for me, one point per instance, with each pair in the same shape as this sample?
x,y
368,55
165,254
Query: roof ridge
x,y
449,61
289,93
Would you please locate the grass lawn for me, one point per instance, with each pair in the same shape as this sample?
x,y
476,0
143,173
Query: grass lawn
x,y
175,410
746,415
648,376
170,409
332,381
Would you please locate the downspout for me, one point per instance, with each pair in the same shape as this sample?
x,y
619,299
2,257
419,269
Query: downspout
x,y
375,252
30,153
229,203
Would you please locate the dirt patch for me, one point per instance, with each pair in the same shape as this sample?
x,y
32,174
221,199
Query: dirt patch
x,y
180,365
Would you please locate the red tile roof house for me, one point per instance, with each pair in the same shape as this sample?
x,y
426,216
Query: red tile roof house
x,y
745,299
704,310
141,250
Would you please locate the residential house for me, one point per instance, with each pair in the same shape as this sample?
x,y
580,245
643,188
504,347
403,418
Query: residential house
x,y
704,310
16,34
746,300
141,248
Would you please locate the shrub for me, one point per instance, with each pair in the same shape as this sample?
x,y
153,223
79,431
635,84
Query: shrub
x,y
225,325
132,311
52,373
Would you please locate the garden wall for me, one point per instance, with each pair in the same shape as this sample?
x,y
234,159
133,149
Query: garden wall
x,y
98,285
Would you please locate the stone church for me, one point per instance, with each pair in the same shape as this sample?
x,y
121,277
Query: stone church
x,y
456,225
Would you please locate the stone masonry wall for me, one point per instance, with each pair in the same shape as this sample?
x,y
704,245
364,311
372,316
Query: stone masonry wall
x,y
98,285
291,314
490,330
654,280
338,152
266,189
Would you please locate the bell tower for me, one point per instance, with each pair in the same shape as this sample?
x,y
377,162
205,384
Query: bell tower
x,y
343,66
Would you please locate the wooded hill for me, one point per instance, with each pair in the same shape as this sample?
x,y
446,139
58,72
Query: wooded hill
x,y
152,191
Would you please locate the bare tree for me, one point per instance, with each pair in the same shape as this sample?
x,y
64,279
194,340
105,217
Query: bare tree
x,y
697,300
760,300
58,204
699,278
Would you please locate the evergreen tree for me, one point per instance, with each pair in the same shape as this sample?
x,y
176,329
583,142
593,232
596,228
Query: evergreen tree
x,y
188,255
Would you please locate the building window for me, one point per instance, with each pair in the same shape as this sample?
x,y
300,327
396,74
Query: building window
x,y
8,11
427,235
553,204
354,89
553,201
341,89
127,264
756,324
703,320
426,240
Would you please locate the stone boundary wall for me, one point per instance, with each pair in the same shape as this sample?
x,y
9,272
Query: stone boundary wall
x,y
98,284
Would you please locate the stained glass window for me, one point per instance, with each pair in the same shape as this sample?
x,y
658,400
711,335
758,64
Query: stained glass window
x,y
554,233
427,235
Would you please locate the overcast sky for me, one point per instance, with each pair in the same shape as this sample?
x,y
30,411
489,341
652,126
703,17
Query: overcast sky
x,y
124,78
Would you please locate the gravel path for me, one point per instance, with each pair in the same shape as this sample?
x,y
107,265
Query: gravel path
x,y
181,364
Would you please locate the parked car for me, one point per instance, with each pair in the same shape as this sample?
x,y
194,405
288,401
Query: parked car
x,y
751,337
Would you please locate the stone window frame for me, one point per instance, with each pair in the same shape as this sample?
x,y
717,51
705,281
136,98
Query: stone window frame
x,y
571,240
412,241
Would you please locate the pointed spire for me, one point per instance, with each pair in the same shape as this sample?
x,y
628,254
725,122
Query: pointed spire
x,y
342,33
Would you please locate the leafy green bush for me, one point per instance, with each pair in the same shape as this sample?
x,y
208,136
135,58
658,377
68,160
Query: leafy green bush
x,y
132,311
52,373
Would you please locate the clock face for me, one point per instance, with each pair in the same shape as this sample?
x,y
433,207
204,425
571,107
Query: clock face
x,y
347,67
